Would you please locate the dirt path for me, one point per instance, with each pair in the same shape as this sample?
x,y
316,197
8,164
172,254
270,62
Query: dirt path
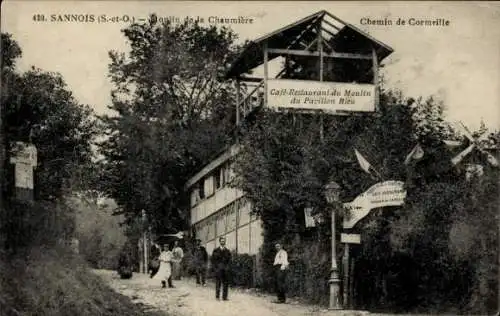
x,y
188,299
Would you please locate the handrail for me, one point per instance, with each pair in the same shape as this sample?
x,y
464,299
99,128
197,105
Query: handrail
x,y
247,104
261,84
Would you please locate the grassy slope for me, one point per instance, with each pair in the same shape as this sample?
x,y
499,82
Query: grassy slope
x,y
54,283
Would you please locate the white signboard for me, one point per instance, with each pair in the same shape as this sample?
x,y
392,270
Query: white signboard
x,y
309,219
388,193
317,95
350,238
24,176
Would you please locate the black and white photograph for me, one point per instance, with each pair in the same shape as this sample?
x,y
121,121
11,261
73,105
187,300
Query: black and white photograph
x,y
249,158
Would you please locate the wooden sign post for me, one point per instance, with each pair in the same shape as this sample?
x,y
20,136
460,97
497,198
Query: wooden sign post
x,y
348,264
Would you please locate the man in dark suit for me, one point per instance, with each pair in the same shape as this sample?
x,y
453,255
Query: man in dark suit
x,y
221,263
200,260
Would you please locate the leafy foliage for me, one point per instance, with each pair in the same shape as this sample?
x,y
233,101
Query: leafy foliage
x,y
100,233
40,109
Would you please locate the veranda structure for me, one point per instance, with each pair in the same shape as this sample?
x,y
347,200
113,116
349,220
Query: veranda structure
x,y
318,48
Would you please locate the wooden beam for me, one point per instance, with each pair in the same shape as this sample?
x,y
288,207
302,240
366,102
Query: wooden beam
x,y
312,43
330,24
375,78
335,18
308,53
299,37
326,31
249,79
328,45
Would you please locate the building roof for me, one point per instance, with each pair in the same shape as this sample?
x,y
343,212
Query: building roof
x,y
219,160
343,36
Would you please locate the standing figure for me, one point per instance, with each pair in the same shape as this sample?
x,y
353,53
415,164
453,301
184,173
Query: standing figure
x,y
154,264
221,262
178,254
164,274
200,261
125,264
280,271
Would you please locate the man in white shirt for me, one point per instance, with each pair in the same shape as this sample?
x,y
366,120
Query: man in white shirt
x,y
280,270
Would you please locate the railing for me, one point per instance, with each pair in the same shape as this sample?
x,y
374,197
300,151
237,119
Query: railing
x,y
252,100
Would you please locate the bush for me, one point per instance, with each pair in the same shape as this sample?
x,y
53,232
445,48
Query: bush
x,y
242,270
30,224
308,272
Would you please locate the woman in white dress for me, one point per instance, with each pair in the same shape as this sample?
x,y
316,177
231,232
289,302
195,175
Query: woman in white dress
x,y
164,274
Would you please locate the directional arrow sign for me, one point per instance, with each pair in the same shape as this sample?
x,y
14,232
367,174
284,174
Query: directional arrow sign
x,y
387,193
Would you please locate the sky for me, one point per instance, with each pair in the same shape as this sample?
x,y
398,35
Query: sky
x,y
458,63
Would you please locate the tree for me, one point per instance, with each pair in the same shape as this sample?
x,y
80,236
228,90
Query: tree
x,y
173,115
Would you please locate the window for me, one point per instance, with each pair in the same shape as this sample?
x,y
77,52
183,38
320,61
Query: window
x,y
226,173
218,178
231,240
221,224
210,228
231,173
231,217
195,196
201,232
256,238
244,210
223,174
209,186
244,239
201,189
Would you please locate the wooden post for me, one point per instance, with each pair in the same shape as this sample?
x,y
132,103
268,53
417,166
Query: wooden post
x,y
375,77
347,277
321,132
144,243
236,208
320,50
351,283
237,102
140,251
266,74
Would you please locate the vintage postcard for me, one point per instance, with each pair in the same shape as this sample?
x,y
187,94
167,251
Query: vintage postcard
x,y
209,150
